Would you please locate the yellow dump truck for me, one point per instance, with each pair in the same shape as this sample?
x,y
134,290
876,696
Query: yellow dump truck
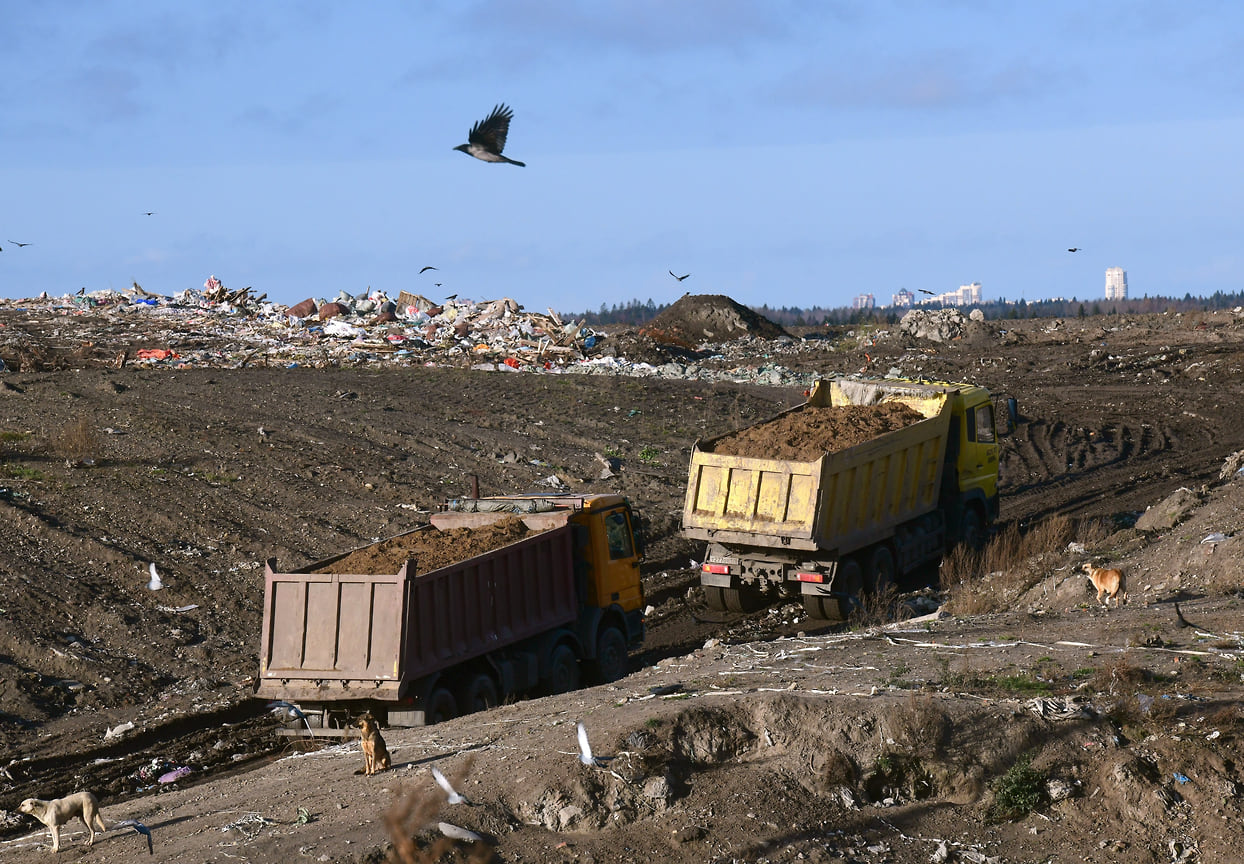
x,y
852,519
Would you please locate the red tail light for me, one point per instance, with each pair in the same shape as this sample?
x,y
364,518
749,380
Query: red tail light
x,y
810,577
720,569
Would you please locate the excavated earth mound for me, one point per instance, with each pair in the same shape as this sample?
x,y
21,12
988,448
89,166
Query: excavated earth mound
x,y
805,435
695,318
430,549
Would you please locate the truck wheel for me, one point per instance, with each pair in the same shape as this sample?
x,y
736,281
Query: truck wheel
x,y
479,694
611,659
745,599
442,706
972,528
850,578
825,608
881,571
715,597
563,670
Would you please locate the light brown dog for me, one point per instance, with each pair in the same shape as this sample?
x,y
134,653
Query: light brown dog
x,y
58,811
1110,583
375,753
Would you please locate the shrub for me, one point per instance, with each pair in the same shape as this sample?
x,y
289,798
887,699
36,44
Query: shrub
x,y
1018,792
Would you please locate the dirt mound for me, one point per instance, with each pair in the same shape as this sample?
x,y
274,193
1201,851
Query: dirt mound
x,y
714,317
430,549
805,435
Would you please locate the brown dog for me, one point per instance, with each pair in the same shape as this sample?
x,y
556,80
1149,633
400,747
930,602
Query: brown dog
x,y
1109,583
58,811
375,753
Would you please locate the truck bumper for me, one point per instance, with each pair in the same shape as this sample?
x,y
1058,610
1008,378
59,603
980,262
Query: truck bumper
x,y
295,690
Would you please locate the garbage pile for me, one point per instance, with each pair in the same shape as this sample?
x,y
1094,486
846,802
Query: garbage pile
x,y
224,328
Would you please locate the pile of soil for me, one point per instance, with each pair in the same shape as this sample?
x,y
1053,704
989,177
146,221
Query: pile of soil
x,y
804,435
695,318
430,549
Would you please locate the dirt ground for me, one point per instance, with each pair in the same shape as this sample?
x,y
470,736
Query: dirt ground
x,y
762,737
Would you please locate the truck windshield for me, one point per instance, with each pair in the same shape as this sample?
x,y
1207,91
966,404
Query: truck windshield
x,y
619,533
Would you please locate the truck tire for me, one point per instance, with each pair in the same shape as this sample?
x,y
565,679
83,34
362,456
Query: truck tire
x,y
881,570
611,659
442,706
478,694
745,599
563,670
825,608
850,578
972,528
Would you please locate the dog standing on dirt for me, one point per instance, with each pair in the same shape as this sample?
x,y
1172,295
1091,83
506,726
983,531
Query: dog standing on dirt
x,y
1109,583
58,811
375,754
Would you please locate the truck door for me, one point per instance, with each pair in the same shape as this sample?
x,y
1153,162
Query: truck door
x,y
616,561
978,459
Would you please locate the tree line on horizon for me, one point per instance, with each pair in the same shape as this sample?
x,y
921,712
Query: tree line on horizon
x,y
636,313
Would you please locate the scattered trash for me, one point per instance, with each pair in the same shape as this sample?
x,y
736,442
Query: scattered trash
x,y
1214,538
1182,778
174,775
304,816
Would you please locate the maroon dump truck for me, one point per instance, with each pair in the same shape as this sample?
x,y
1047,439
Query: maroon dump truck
x,y
541,614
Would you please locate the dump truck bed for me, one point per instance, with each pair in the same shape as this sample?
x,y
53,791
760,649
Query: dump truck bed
x,y
364,636
842,500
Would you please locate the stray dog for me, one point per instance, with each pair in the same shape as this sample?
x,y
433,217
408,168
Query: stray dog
x,y
58,811
375,754
1109,583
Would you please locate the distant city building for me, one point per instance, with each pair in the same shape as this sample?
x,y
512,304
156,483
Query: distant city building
x,y
967,295
903,299
1116,283
864,301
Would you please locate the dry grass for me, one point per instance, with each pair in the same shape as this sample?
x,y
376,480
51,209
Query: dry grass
x,y
77,440
411,814
990,580
874,609
919,725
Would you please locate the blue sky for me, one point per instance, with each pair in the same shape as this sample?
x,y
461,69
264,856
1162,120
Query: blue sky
x,y
788,153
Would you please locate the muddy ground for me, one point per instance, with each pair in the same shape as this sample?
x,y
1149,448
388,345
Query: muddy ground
x,y
737,737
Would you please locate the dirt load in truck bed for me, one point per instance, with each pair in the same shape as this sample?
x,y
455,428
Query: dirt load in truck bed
x,y
804,435
430,549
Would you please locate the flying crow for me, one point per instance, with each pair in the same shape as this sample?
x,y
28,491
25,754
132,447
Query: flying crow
x,y
1074,249
487,137
679,278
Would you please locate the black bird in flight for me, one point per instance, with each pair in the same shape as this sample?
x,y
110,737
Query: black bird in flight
x,y
487,137
679,278
925,291
1074,249
425,269
20,245
148,212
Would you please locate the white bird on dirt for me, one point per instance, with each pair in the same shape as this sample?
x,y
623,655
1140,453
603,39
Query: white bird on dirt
x,y
453,796
141,829
585,748
156,583
453,832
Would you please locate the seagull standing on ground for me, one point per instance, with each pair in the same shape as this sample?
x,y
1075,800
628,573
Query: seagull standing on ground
x,y
487,137
156,583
